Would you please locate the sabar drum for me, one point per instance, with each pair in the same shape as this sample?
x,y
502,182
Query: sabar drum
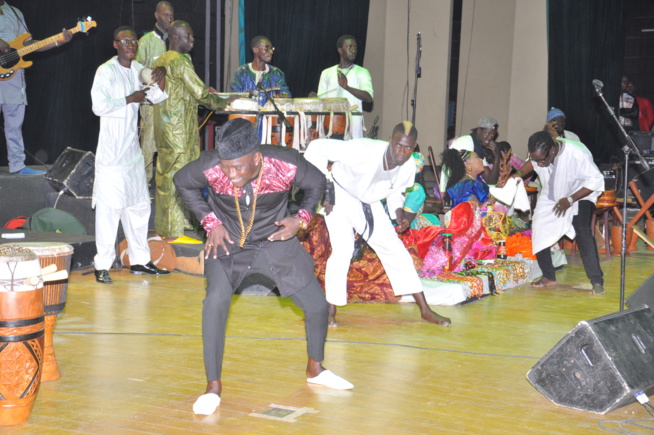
x,y
54,297
21,333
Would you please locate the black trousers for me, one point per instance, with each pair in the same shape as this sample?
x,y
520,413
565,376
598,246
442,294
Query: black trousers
x,y
215,310
587,247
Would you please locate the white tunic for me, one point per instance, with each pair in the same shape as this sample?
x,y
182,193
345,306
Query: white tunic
x,y
572,169
119,168
356,168
359,177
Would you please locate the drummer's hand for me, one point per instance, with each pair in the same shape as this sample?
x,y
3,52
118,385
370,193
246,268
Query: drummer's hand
x,y
211,90
290,225
282,95
217,237
328,207
158,74
313,95
342,80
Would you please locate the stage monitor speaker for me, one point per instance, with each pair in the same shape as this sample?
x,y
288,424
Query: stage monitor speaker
x,y
75,171
643,295
601,363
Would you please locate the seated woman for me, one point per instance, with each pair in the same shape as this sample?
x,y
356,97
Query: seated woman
x,y
470,240
414,200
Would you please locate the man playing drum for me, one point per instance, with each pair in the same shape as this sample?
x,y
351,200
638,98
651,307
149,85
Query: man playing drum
x,y
347,80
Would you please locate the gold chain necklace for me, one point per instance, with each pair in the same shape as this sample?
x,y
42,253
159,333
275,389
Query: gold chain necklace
x,y
244,232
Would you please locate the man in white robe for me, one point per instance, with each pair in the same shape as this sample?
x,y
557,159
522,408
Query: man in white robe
x,y
571,184
365,171
348,80
120,191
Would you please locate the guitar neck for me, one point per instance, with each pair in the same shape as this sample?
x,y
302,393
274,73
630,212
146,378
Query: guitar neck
x,y
37,45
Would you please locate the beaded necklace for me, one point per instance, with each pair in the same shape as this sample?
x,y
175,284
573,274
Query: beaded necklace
x,y
245,232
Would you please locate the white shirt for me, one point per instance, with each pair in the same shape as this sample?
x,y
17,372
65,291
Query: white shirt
x,y
572,169
357,168
357,77
119,167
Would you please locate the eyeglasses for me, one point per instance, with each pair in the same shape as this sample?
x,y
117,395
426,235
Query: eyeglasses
x,y
128,42
544,159
267,48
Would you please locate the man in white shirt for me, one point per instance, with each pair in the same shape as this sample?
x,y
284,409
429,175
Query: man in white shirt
x,y
571,185
120,192
348,80
364,172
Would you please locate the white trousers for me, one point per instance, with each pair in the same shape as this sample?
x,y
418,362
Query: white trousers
x,y
346,216
135,225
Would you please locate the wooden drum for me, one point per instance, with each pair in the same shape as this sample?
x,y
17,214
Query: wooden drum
x,y
241,107
337,125
21,333
607,199
54,297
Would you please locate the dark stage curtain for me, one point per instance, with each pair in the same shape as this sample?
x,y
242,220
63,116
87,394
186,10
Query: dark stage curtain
x,y
304,34
586,42
59,82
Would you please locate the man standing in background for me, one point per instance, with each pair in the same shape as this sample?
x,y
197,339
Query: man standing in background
x,y
13,98
348,80
176,128
152,45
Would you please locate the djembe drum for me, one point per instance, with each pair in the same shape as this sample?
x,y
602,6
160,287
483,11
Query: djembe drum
x,y
21,333
54,297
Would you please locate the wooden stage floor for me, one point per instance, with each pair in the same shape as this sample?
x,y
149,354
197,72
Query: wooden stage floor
x,y
131,361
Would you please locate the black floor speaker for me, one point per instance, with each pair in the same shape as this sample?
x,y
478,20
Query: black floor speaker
x,y
643,295
601,363
75,171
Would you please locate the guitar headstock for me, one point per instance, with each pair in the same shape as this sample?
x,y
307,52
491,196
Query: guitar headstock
x,y
84,24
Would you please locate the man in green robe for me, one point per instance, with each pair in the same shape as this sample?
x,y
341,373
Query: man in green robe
x,y
151,46
176,126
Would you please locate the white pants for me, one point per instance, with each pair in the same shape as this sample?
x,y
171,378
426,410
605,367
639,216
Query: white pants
x,y
135,225
348,215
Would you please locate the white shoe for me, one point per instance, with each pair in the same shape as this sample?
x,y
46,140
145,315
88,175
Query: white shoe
x,y
206,404
329,379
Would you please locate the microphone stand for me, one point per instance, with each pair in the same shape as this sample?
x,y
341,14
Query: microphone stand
x,y
414,101
627,148
279,113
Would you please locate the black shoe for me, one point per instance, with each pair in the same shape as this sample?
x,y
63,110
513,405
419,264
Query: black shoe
x,y
102,276
149,268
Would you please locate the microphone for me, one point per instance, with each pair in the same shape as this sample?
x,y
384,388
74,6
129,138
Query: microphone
x,y
598,86
280,114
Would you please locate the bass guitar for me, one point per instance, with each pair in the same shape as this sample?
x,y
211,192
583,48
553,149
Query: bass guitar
x,y
13,61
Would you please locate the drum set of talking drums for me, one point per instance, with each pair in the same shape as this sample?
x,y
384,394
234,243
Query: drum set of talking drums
x,y
308,119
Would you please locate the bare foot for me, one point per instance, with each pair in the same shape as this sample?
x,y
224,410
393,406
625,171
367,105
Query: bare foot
x,y
543,282
427,313
433,317
332,316
598,289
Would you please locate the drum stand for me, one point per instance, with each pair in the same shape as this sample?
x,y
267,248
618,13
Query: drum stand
x,y
627,148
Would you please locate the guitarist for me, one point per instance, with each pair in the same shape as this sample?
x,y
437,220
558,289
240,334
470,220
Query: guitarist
x,y
13,98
